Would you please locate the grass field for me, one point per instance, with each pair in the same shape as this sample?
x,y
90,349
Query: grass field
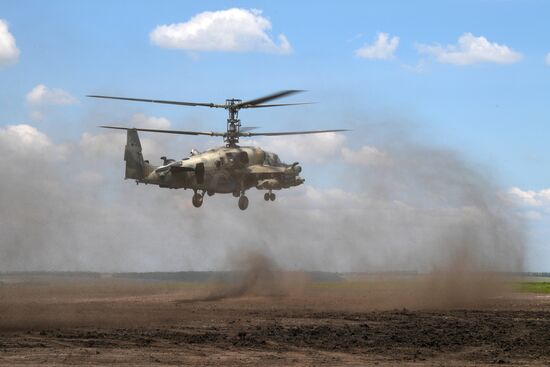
x,y
534,287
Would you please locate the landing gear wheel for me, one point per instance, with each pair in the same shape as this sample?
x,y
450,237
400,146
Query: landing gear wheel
x,y
266,196
272,196
243,202
236,194
197,200
210,193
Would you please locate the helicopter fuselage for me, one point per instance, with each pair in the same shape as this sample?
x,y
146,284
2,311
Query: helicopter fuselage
x,y
226,170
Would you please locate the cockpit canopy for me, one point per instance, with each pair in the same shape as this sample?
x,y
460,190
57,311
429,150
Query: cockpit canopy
x,y
272,159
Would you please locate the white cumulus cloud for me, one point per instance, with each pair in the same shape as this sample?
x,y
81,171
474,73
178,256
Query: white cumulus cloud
x,y
149,122
24,137
531,197
26,141
382,49
471,50
9,53
42,95
233,30
323,148
315,148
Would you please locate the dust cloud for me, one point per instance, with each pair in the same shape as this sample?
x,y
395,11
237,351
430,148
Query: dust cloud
x,y
396,204
256,275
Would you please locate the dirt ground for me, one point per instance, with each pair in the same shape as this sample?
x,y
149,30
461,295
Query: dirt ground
x,y
82,320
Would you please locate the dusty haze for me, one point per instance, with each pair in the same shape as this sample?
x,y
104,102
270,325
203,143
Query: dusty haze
x,y
398,204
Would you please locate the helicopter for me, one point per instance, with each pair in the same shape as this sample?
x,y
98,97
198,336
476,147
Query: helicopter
x,y
230,169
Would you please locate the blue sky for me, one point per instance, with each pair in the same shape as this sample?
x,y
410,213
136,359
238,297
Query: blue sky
x,y
492,107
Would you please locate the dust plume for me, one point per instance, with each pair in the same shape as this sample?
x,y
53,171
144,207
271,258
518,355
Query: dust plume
x,y
256,275
410,206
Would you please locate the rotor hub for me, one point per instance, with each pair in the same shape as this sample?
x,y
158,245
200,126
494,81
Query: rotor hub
x,y
231,137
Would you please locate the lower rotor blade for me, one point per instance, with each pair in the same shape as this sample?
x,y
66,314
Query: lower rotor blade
x,y
295,132
248,128
277,105
180,132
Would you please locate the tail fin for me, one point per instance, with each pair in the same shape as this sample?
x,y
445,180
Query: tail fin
x,y
135,165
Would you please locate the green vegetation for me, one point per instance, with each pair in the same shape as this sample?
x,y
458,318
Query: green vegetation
x,y
534,287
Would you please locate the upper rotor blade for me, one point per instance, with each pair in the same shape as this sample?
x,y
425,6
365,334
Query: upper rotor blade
x,y
277,105
181,132
162,101
267,98
295,132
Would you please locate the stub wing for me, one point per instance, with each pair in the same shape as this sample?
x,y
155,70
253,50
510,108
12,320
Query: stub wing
x,y
258,169
275,177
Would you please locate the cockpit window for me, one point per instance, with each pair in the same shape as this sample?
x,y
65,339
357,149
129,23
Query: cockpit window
x,y
272,159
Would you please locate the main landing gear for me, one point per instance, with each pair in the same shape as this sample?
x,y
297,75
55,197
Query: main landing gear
x,y
269,196
243,202
197,199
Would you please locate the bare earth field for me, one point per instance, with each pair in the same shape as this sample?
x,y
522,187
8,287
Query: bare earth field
x,y
374,320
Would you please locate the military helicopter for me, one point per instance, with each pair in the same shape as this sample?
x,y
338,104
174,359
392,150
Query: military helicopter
x,y
229,169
